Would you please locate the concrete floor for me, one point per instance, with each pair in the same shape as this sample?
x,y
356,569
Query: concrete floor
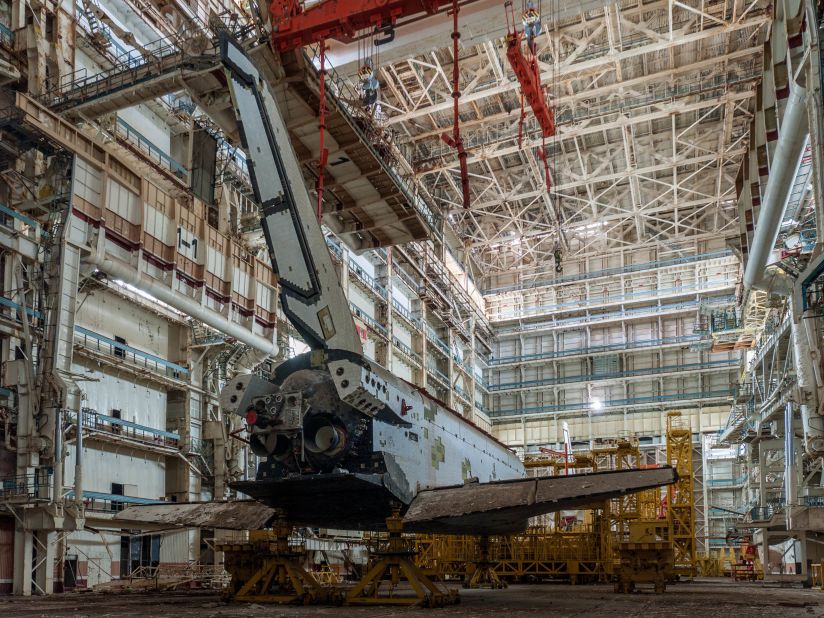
x,y
703,598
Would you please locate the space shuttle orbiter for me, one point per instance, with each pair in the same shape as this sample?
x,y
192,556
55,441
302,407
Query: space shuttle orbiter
x,y
344,441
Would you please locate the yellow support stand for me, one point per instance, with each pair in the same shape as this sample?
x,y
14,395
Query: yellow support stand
x,y
681,503
406,583
481,573
268,570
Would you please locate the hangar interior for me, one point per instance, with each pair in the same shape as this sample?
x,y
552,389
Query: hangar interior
x,y
591,229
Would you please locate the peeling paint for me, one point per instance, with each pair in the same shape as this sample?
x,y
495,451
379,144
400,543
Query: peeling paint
x,y
429,410
438,453
466,468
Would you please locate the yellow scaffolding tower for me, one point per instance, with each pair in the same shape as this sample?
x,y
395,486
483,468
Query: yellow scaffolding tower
x,y
681,496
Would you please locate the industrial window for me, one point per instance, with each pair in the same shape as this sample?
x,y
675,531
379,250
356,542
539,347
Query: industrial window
x,y
117,490
118,351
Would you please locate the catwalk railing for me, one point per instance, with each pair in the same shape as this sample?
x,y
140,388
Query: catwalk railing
x,y
615,375
609,272
609,316
593,349
596,299
719,395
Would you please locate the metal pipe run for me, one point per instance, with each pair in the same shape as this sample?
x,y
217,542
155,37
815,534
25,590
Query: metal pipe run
x,y
78,459
812,422
119,270
783,168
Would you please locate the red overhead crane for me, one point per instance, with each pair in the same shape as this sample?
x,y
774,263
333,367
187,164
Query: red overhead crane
x,y
526,70
341,20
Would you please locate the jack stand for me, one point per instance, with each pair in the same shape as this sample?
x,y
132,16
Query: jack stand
x,y
481,573
396,567
267,570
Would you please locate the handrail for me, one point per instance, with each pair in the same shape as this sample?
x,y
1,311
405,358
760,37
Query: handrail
x,y
615,403
127,349
592,377
368,279
110,502
406,313
438,373
405,349
19,216
369,320
151,148
576,304
6,37
385,153
95,420
606,347
606,272
514,330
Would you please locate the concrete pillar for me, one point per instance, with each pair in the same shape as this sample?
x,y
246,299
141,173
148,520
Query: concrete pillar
x,y
44,565
23,544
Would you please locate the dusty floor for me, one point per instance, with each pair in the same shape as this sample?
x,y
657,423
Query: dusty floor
x,y
703,598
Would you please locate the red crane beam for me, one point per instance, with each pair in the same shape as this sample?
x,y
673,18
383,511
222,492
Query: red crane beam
x,y
338,19
529,77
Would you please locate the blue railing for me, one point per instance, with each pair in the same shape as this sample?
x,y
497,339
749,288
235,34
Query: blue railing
x,y
6,37
35,485
592,300
727,482
369,320
152,151
576,321
438,374
595,349
96,421
405,313
6,302
101,343
631,268
433,337
405,349
368,279
334,246
611,375
8,212
617,403
100,501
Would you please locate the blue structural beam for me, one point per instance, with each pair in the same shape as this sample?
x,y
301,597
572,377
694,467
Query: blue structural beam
x,y
592,377
576,305
116,345
575,321
617,403
594,349
608,272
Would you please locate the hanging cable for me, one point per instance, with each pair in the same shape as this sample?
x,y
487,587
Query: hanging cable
x,y
455,141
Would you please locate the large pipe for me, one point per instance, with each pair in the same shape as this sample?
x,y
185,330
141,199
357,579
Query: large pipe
x,y
783,168
57,478
812,422
790,472
78,459
118,270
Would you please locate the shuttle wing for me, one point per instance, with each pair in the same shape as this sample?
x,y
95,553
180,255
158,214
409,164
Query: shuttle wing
x,y
502,507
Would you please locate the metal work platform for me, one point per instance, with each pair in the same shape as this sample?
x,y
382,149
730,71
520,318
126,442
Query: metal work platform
x,y
369,201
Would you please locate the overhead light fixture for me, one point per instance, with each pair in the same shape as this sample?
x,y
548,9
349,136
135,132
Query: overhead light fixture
x,y
596,404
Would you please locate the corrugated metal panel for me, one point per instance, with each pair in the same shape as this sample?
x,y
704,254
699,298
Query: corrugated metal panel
x,y
6,554
174,547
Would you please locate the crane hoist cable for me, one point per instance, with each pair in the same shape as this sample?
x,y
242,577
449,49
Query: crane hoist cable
x,y
455,141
